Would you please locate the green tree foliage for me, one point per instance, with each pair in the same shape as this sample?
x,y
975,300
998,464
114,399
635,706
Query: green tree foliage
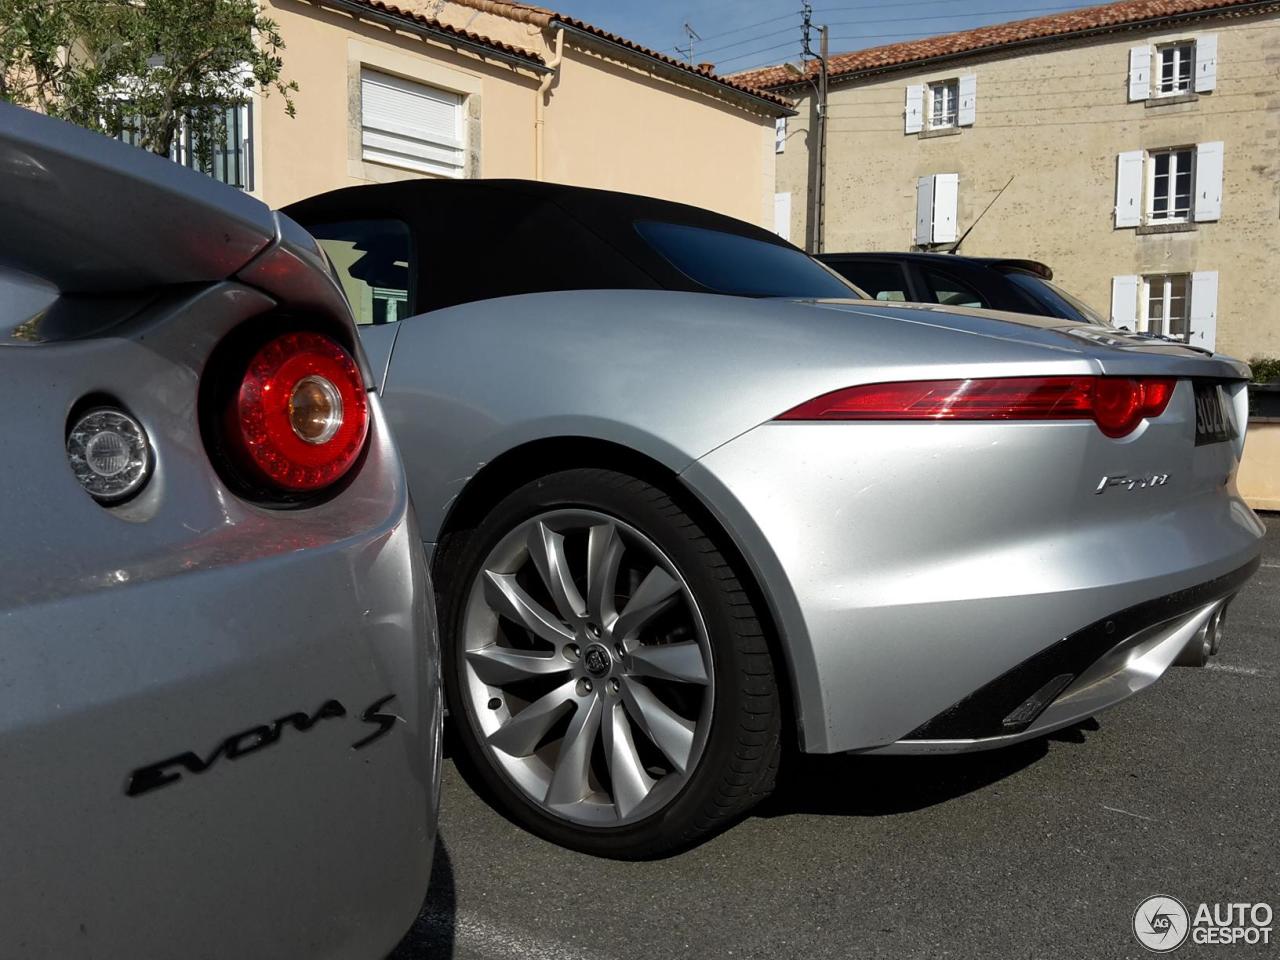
x,y
1265,369
147,66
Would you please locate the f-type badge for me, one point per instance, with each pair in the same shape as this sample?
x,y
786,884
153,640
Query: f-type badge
x,y
1127,483
157,775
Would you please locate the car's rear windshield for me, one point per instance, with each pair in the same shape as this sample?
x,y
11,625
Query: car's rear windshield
x,y
742,266
1056,301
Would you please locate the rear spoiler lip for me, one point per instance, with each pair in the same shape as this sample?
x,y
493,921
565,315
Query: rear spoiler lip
x,y
89,214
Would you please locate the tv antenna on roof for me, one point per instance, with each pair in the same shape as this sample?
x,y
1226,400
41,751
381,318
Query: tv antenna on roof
x,y
691,35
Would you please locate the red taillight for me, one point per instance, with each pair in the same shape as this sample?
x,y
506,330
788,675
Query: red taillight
x,y
1116,404
300,417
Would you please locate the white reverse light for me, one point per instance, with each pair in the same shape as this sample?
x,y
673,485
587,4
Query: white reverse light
x,y
109,454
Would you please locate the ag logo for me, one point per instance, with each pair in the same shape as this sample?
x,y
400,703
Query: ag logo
x,y
1161,923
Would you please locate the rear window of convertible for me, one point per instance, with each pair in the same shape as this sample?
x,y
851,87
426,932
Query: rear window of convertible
x,y
742,266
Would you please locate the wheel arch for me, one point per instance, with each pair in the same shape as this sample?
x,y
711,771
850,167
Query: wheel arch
x,y
515,467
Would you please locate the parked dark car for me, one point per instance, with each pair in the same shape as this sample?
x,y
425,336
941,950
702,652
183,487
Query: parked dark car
x,y
1021,286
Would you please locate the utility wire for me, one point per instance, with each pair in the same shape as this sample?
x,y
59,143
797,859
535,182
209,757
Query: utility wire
x,y
789,43
730,46
748,26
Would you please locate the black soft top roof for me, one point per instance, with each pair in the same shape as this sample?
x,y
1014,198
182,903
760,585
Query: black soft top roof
x,y
480,239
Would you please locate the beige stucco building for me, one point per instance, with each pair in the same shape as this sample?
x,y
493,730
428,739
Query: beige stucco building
x,y
487,88
1139,143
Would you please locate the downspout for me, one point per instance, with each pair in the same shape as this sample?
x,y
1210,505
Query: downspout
x,y
540,106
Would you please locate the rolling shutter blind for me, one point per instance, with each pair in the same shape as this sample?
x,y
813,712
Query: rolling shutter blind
x,y
915,108
968,100
946,194
780,135
924,211
1203,326
1206,62
1124,301
1129,189
782,215
406,124
1208,199
1139,73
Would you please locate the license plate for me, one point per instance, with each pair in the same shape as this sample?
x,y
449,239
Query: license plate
x,y
1213,419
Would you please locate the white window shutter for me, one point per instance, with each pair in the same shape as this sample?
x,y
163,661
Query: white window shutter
x,y
782,215
924,211
1124,301
780,135
1129,188
1206,62
1139,73
968,100
915,108
1208,199
1204,309
946,194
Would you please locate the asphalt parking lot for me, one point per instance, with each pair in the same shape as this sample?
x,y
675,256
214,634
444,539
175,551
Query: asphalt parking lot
x,y
1040,850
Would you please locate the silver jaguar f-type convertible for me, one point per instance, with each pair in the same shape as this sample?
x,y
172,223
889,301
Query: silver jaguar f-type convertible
x,y
689,499
219,705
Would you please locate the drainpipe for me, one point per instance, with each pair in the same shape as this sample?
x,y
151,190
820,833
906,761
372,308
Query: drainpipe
x,y
540,106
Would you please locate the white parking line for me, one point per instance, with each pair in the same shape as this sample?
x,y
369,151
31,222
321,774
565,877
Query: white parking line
x,y
1231,668
1270,566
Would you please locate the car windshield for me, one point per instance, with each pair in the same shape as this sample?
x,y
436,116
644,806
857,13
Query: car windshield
x,y
742,266
1056,301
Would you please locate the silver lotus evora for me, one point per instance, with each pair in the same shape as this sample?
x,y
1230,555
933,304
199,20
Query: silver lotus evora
x,y
219,701
689,499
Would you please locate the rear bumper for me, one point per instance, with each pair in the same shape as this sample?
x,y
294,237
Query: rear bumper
x,y
909,566
1082,674
235,700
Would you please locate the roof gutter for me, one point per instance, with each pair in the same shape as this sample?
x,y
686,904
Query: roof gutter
x,y
1257,6
691,77
396,21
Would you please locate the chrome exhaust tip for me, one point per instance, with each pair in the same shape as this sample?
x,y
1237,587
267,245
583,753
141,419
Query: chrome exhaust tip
x,y
1206,641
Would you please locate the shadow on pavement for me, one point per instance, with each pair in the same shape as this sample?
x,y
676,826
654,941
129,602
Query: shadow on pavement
x,y
871,786
432,934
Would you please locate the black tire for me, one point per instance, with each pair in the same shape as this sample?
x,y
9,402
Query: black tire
x,y
739,760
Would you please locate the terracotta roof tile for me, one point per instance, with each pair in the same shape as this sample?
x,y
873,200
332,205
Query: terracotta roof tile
x,y
452,31
1111,15
542,17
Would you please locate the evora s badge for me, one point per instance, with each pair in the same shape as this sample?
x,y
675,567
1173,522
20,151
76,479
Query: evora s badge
x,y
1127,483
238,745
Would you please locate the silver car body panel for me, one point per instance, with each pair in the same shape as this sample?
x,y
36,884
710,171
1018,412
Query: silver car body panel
x,y
904,564
187,618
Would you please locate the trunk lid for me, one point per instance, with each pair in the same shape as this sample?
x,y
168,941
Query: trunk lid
x,y
1117,352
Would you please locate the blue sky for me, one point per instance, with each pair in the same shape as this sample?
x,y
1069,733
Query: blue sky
x,y
741,34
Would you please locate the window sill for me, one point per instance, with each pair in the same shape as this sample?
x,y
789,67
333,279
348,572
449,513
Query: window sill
x,y
1152,228
1156,100
940,132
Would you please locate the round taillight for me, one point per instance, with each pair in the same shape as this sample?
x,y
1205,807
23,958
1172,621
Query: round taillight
x,y
300,417
1117,405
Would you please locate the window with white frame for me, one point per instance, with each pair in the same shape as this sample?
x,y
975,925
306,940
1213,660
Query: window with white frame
x,y
944,103
1175,64
1183,67
1166,305
411,125
1169,185
1180,305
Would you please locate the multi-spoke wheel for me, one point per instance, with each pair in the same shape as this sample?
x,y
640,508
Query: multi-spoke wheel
x,y
609,677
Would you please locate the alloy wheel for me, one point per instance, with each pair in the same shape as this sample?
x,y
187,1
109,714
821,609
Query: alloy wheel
x,y
587,668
